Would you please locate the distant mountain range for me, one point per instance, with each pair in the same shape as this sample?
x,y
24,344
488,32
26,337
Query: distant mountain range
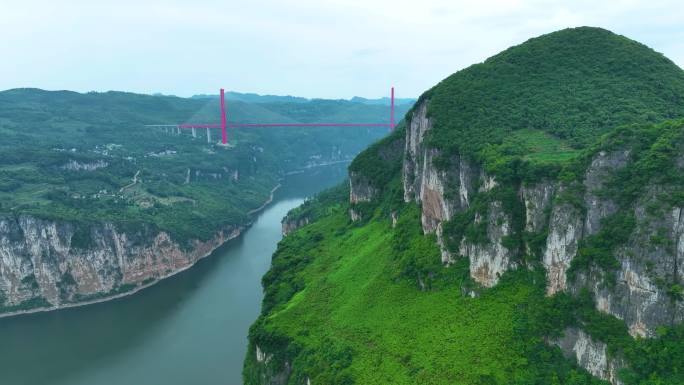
x,y
256,98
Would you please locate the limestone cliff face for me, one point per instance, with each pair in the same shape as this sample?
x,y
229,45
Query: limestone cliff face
x,y
432,189
490,259
649,263
264,369
653,253
591,355
414,152
564,234
643,261
445,191
560,218
432,186
360,190
603,166
537,200
569,224
291,224
441,192
635,298
48,265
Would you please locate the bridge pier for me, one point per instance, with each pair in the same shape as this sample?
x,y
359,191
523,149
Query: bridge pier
x,y
208,135
194,133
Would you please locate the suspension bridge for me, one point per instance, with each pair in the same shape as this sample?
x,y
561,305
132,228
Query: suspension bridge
x,y
224,125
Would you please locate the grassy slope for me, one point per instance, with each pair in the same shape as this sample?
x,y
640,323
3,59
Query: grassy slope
x,y
400,335
348,316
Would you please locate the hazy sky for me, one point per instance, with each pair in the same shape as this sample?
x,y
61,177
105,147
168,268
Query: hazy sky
x,y
313,48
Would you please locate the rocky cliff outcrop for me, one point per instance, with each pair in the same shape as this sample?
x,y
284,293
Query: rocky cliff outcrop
x,y
490,259
418,125
448,189
537,199
360,190
291,224
591,355
649,264
442,192
564,234
49,265
598,206
263,369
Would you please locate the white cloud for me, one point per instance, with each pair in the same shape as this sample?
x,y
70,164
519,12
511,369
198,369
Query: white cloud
x,y
327,48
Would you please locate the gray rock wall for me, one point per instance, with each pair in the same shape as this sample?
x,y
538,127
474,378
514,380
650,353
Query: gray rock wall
x,y
360,190
42,259
590,354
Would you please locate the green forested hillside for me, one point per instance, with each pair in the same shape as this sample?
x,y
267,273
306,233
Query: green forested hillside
x,y
66,155
343,306
371,302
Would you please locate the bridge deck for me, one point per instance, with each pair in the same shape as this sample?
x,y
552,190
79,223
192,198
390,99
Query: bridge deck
x,y
282,125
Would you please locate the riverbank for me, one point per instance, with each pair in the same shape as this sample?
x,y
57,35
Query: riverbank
x,y
188,329
236,233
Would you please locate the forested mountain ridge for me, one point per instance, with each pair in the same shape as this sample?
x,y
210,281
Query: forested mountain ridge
x,y
86,189
523,225
273,99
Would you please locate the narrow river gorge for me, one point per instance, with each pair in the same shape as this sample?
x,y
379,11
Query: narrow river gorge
x,y
188,329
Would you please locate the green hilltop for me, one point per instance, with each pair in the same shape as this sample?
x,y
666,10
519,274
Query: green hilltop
x,y
574,85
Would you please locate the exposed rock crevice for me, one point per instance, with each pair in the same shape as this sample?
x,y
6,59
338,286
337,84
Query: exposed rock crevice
x,y
590,354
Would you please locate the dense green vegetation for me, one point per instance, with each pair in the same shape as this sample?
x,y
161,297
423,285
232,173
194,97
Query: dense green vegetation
x,y
348,303
185,185
574,85
320,205
340,307
370,302
382,161
649,361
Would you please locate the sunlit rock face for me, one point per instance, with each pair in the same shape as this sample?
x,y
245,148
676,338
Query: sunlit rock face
x,y
441,191
489,260
565,232
414,152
